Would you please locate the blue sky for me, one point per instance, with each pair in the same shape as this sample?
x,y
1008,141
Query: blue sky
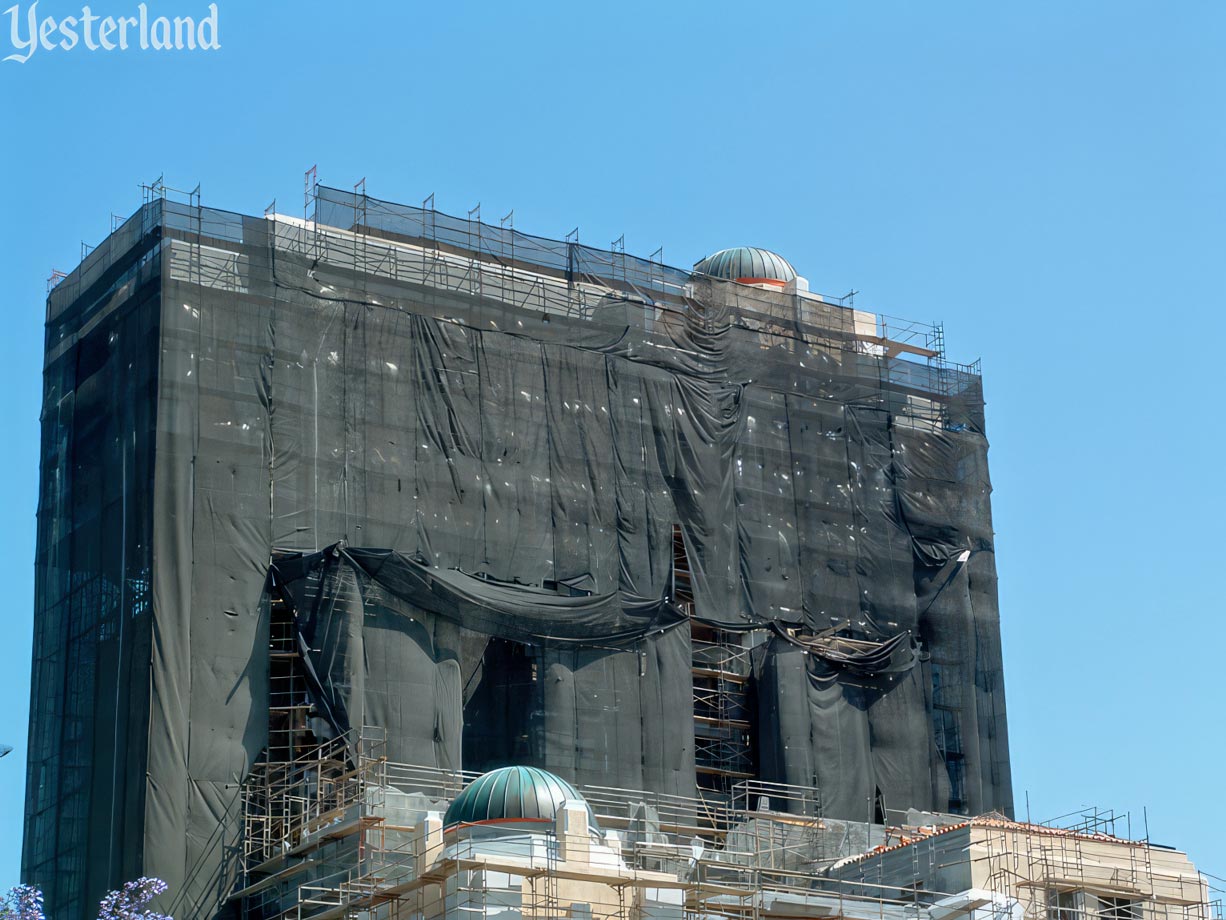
x,y
1045,178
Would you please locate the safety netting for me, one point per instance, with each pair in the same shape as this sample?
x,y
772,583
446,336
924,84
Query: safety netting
x,y
477,457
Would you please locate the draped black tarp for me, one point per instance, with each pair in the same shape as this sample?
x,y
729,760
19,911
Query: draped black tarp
x,y
381,637
510,610
524,463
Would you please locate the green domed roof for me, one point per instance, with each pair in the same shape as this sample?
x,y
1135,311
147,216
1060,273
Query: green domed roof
x,y
514,794
748,265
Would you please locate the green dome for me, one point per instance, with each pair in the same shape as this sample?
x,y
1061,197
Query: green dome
x,y
512,795
748,266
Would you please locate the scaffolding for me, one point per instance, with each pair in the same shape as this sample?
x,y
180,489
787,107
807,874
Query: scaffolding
x,y
289,705
336,834
1085,874
421,245
722,726
1076,872
721,673
331,835
317,311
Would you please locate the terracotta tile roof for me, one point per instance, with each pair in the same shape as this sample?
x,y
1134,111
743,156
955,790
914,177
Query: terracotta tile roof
x,y
910,835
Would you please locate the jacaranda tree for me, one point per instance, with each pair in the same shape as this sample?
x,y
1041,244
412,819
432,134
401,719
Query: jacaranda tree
x,y
25,902
128,903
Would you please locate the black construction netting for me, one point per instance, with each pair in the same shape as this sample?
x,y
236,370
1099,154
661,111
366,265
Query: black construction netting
x,y
476,455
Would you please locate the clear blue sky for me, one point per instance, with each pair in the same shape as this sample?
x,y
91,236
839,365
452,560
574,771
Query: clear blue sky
x,y
1047,178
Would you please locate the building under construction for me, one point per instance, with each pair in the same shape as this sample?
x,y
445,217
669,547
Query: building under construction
x,y
342,832
338,511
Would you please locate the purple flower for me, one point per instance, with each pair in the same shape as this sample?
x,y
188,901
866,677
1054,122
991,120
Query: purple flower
x,y
25,902
128,903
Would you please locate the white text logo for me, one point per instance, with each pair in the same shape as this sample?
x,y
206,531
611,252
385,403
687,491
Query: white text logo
x,y
28,33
